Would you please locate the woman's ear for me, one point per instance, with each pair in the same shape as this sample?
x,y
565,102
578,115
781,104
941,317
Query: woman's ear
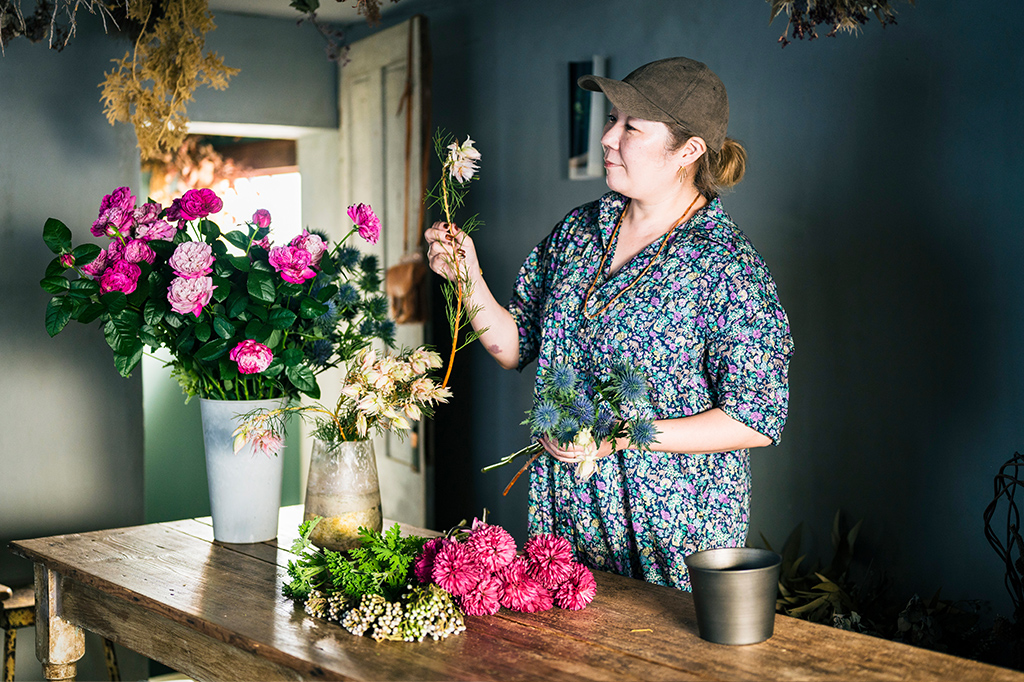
x,y
691,150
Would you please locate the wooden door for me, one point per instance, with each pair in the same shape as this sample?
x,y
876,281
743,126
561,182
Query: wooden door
x,y
381,163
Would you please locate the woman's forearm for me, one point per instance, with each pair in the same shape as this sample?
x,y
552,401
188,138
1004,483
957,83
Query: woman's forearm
x,y
501,334
704,433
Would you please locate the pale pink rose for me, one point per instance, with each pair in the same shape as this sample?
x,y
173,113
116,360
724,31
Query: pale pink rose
x,y
199,203
192,259
252,357
113,222
312,243
121,197
366,220
261,217
190,295
97,266
137,251
292,262
120,276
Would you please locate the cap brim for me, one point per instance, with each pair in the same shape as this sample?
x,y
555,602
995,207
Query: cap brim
x,y
625,98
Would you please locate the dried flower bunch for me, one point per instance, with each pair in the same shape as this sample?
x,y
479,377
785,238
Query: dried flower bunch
x,y
54,21
577,410
459,166
243,318
412,588
380,393
838,15
151,85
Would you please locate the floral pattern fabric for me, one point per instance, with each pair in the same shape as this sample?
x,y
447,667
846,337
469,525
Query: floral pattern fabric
x,y
705,326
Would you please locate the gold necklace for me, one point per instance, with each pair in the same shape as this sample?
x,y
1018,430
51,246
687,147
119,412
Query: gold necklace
x,y
650,264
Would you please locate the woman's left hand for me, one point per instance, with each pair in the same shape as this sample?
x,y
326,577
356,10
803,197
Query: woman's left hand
x,y
585,456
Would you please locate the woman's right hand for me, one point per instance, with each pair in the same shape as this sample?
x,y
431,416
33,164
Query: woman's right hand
x,y
447,246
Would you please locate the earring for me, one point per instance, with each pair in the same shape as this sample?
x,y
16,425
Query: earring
x,y
682,174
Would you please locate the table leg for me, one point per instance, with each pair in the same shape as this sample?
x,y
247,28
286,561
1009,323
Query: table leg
x,y
59,644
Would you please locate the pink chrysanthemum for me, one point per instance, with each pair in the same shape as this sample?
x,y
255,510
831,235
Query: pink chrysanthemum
x,y
483,599
526,595
423,569
578,591
492,547
454,569
549,559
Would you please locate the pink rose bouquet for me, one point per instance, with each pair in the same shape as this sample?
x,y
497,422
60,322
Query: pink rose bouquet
x,y
242,317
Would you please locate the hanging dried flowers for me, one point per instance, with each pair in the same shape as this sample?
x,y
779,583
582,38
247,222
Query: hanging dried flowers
x,y
150,86
838,15
52,20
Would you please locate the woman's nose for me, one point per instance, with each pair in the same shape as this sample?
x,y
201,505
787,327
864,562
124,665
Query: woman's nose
x,y
610,139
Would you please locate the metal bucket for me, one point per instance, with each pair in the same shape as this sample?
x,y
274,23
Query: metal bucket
x,y
734,592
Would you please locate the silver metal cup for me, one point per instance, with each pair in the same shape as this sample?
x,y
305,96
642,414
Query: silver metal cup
x,y
734,592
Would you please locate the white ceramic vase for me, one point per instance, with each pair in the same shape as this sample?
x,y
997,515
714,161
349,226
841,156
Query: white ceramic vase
x,y
245,486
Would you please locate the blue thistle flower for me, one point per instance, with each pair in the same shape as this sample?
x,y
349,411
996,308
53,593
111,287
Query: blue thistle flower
x,y
630,385
377,307
386,331
544,418
562,378
605,422
567,429
348,257
642,433
368,328
347,296
369,263
327,320
321,351
582,409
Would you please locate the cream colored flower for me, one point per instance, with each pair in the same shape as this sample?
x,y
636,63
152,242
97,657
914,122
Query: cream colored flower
x,y
462,160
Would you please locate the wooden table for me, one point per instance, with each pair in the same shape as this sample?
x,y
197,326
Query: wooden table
x,y
215,612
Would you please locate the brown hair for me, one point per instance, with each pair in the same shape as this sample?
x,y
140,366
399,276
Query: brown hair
x,y
714,171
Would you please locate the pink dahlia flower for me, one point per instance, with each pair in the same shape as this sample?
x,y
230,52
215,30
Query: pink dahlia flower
x,y
578,590
454,569
190,295
113,222
120,276
366,220
483,599
293,263
549,559
423,569
311,243
192,259
492,547
137,251
252,357
121,197
261,217
199,203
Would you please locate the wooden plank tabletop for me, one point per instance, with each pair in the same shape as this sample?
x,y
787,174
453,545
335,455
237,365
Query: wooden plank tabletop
x,y
215,611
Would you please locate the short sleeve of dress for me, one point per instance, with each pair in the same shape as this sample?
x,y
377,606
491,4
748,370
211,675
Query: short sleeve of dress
x,y
527,303
749,346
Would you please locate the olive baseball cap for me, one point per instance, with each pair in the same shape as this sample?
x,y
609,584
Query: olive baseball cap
x,y
676,90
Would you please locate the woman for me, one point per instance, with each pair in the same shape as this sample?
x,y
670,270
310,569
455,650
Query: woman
x,y
656,274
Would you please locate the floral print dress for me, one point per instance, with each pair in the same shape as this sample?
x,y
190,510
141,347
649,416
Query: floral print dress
x,y
705,326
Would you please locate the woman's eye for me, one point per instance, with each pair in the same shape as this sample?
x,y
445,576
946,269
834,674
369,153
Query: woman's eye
x,y
611,119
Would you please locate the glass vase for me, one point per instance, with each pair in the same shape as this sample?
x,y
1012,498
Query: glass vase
x,y
343,489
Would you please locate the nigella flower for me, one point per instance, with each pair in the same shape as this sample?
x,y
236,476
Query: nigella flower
x,y
544,418
483,599
321,351
562,378
454,570
549,559
630,385
642,432
578,590
423,569
492,547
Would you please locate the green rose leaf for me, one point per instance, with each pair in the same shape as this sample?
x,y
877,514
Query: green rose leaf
x,y
122,334
57,315
263,267
213,350
57,236
275,368
55,285
291,357
86,286
257,331
147,335
85,253
290,289
223,327
128,361
222,289
210,230
239,239
326,293
202,332
154,310
91,313
274,340
186,340
240,263
115,301
261,286
235,304
302,377
281,318
310,308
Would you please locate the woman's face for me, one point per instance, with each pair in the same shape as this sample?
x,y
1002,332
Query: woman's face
x,y
637,162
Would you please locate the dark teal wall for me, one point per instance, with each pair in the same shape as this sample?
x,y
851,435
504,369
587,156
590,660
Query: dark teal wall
x,y
882,191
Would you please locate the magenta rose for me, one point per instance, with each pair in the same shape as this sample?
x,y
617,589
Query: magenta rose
x,y
120,276
199,203
261,217
148,225
137,251
67,261
311,243
121,198
190,295
293,263
192,259
366,220
112,222
97,266
252,357
174,212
